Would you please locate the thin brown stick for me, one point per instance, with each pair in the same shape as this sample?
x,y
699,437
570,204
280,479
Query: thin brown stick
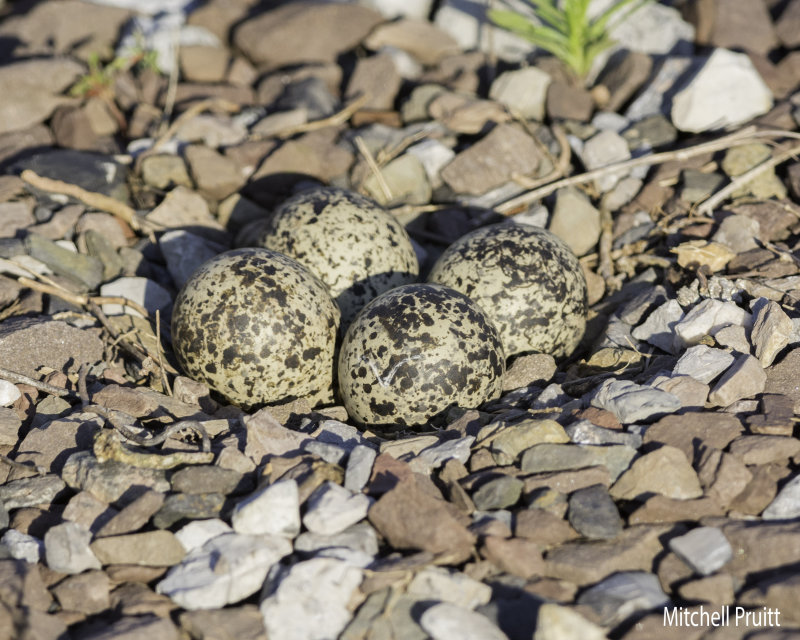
x,y
744,136
373,166
18,378
164,379
97,200
709,204
340,117
79,300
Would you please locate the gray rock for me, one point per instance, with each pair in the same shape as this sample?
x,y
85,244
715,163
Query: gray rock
x,y
524,91
738,233
438,583
771,332
9,394
109,481
434,157
396,8
342,435
706,318
332,509
703,363
308,601
733,337
86,271
360,537
744,379
786,504
699,185
654,28
184,252
359,467
406,179
692,393
631,402
556,622
665,471
603,149
207,478
67,548
726,91
330,453
650,102
575,220
273,510
28,492
146,549
435,456
147,293
187,506
445,621
593,514
22,546
498,493
585,432
704,549
197,532
650,132
658,328
560,457
621,595
9,426
226,569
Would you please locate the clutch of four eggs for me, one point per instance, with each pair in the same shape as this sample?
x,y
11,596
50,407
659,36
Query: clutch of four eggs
x,y
261,325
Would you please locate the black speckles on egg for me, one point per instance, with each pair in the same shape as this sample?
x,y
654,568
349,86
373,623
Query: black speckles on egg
x,y
353,245
273,330
415,351
526,279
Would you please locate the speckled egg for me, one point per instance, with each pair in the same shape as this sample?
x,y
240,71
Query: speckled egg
x,y
415,351
353,245
258,328
526,279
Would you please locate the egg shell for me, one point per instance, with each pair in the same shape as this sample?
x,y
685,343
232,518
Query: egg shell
x,y
526,279
415,351
352,244
258,328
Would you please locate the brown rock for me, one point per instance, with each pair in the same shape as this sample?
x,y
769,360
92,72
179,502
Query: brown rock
x,y
242,623
787,25
745,378
21,586
517,556
215,175
760,546
86,592
764,449
203,63
782,377
689,432
411,519
378,77
776,417
599,417
507,150
422,39
623,75
29,343
271,87
119,573
717,589
569,481
137,627
528,369
662,509
86,127
12,143
585,563
665,471
50,445
135,598
459,72
723,476
464,113
88,511
149,549
272,38
134,516
267,436
743,25
672,571
189,93
760,491
567,102
542,527
781,592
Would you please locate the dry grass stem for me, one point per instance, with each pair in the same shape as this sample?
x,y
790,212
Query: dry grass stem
x,y
373,166
18,378
340,117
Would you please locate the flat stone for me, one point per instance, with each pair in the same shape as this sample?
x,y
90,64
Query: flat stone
x,y
586,432
88,511
267,436
529,369
87,593
493,160
196,533
273,510
148,549
573,211
9,426
542,527
498,493
378,77
760,546
67,548
585,563
29,492
662,509
50,445
184,253
690,432
665,471
22,546
568,102
225,570
562,457
782,378
707,317
618,597
703,363
134,516
787,24
593,514
423,40
717,589
206,478
215,175
359,467
772,329
243,622
412,519
332,509
744,379
631,402
309,600
602,149
726,91
692,393
658,328
435,456
524,91
704,549
360,537
445,620
133,627
183,207
624,74
786,504
438,583
507,442
555,622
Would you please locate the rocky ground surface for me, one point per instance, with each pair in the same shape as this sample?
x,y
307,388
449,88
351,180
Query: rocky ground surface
x,y
656,468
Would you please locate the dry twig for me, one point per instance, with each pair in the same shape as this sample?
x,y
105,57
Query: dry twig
x,y
18,378
340,117
376,171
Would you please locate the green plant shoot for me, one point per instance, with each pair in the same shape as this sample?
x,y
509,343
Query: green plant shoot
x,y
567,32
